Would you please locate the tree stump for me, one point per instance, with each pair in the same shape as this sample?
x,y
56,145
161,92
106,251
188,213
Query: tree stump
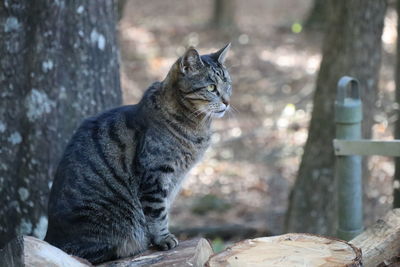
x,y
289,250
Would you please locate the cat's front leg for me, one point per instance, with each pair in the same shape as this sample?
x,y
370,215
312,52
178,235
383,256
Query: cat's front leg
x,y
155,210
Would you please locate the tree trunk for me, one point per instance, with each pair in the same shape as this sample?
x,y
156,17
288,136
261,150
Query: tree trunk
x,y
121,8
224,15
351,47
58,65
318,16
396,190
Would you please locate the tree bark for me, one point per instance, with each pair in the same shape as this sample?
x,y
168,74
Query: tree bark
x,y
193,252
121,8
396,190
380,242
224,15
351,47
32,252
58,65
318,17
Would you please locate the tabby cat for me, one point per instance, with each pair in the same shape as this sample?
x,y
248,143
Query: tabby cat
x,y
123,168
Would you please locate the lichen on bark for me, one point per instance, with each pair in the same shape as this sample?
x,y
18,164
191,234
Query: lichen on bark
x,y
44,65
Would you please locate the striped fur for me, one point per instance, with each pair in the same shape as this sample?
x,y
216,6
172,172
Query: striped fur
x,y
123,168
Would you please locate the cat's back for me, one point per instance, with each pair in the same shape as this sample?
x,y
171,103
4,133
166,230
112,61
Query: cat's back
x,y
101,149
101,152
111,125
94,194
112,130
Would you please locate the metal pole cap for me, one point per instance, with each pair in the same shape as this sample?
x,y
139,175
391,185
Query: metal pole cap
x,y
348,106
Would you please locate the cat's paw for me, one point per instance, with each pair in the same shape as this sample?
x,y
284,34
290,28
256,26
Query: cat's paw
x,y
167,242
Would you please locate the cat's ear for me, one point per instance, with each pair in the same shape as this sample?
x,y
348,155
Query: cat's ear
x,y
191,61
220,55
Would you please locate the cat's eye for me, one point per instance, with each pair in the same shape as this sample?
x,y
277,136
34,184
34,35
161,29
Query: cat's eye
x,y
211,87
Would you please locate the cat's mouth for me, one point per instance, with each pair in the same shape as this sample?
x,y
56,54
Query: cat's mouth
x,y
219,113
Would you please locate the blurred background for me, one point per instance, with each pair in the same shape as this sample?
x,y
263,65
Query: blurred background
x,y
247,174
285,60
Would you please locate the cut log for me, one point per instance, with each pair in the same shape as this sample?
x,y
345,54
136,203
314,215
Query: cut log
x,y
33,252
381,241
288,250
192,253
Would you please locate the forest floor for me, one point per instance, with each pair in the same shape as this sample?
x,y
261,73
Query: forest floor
x,y
246,176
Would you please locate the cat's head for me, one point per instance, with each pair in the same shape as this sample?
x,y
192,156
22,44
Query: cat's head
x,y
203,83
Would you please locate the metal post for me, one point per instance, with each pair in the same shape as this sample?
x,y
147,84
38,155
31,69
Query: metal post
x,y
348,117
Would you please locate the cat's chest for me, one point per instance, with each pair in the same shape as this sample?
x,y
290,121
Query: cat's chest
x,y
188,152
179,152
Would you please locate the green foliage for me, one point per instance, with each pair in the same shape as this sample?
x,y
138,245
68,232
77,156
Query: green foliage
x,y
297,27
218,245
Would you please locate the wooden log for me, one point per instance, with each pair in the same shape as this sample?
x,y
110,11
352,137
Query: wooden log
x,y
381,241
33,252
288,250
192,253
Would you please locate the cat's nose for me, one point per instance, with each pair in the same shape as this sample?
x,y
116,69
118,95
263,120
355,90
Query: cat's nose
x,y
225,101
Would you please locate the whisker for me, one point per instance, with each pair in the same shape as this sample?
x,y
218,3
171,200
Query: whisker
x,y
233,66
206,118
232,114
203,119
229,112
197,112
235,110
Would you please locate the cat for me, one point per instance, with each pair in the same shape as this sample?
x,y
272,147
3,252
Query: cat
x,y
122,169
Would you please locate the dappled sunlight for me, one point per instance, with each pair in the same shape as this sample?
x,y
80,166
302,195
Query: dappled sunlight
x,y
285,57
389,35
